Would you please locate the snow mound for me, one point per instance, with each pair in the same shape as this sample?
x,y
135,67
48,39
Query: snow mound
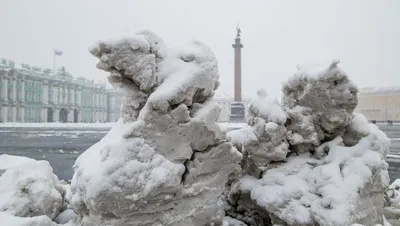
x,y
392,207
320,102
166,161
264,140
29,188
320,165
265,107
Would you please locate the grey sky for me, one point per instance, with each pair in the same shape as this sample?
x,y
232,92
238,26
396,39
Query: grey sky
x,y
277,35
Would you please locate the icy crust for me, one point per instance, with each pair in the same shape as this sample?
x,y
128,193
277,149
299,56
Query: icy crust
x,y
29,188
319,102
166,161
348,182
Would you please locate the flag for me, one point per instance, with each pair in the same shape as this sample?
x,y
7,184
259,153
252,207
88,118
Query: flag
x,y
58,52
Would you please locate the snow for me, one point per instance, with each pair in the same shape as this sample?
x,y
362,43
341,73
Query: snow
x,y
28,187
305,189
166,160
334,172
65,216
266,107
56,125
307,161
11,220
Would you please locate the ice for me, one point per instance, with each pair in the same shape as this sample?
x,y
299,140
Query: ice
x,y
29,188
166,161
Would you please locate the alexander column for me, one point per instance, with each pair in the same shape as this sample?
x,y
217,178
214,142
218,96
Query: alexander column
x,y
237,107
238,66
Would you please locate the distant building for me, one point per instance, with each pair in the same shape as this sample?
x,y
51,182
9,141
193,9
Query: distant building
x,y
33,94
379,104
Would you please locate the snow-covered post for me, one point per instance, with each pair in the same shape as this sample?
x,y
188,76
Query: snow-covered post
x,y
166,160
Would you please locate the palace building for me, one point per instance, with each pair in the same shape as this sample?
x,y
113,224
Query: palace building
x,y
33,94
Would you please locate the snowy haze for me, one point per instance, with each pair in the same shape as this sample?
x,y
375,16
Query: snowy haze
x,y
277,35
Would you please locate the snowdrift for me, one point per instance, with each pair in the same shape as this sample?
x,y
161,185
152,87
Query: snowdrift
x,y
166,161
321,165
305,160
30,194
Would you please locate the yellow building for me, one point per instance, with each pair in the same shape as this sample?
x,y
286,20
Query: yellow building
x,y
380,104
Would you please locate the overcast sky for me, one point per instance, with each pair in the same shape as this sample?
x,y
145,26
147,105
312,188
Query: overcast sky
x,y
277,35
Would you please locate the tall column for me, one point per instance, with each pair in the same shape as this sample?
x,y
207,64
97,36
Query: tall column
x,y
55,94
5,89
79,96
73,96
23,90
5,111
45,92
22,114
14,93
14,113
238,67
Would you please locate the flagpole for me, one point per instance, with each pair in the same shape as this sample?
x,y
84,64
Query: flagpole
x,y
54,61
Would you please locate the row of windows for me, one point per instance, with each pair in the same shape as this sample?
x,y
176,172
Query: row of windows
x,y
378,105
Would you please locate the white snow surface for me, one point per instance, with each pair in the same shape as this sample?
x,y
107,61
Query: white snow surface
x,y
29,188
8,219
57,125
266,107
392,208
307,191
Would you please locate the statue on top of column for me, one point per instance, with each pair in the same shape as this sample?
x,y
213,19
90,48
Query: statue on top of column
x,y
238,31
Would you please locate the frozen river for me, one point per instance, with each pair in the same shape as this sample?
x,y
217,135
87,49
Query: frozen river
x,y
61,146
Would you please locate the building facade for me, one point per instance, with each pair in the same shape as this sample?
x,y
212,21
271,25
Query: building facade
x,y
379,104
32,94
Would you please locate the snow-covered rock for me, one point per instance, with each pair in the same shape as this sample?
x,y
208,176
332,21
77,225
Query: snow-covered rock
x,y
392,208
264,140
334,173
320,102
29,188
166,161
